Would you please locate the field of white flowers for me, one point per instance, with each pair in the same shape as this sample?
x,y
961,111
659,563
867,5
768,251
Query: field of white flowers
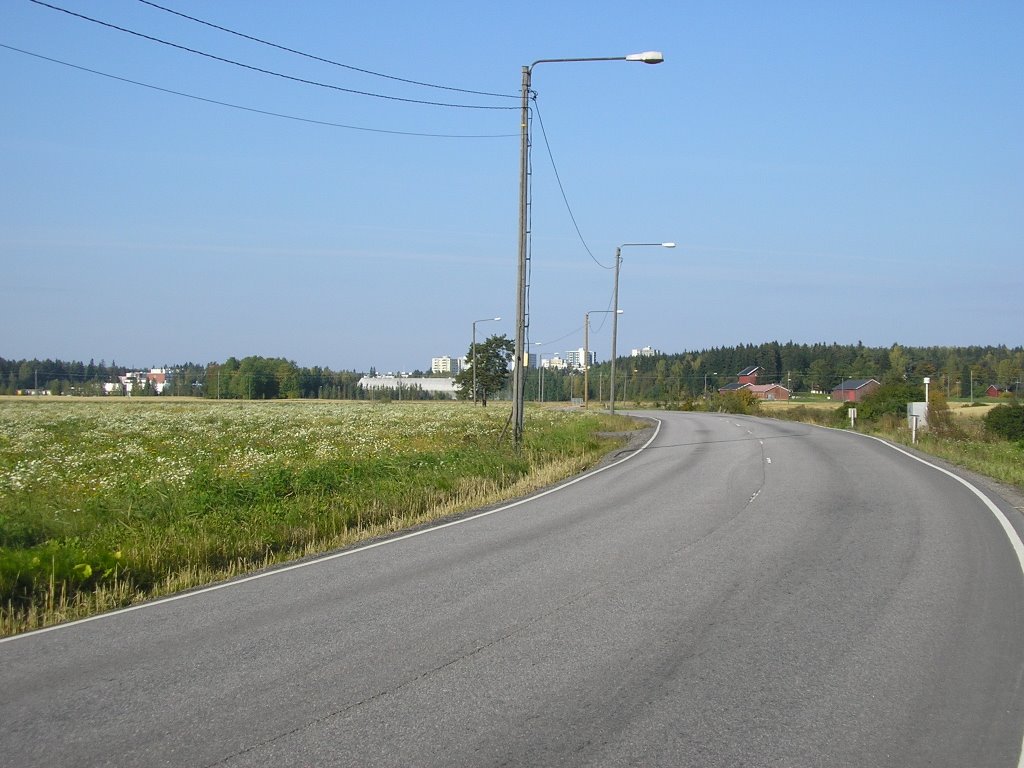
x,y
117,498
90,445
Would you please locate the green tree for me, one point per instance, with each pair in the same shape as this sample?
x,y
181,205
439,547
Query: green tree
x,y
1007,372
821,375
940,418
898,363
966,382
492,360
890,398
1006,421
738,401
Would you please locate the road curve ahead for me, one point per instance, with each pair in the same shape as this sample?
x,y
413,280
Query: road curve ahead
x,y
743,592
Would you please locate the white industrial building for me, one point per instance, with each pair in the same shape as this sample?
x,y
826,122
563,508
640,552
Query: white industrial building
x,y
424,383
645,352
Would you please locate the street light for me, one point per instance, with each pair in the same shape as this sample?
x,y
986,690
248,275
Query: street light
x,y
615,317
713,373
586,346
482,320
540,365
518,378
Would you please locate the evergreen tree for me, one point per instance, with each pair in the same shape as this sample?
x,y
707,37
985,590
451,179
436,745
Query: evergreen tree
x,y
491,361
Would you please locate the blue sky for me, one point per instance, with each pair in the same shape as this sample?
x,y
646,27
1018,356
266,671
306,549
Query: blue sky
x,y
830,171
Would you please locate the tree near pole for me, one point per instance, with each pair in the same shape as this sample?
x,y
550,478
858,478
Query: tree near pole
x,y
491,370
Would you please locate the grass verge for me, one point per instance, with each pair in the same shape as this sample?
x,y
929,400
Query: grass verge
x,y
961,440
107,503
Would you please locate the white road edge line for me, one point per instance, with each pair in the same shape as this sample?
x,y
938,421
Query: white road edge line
x,y
336,555
1008,529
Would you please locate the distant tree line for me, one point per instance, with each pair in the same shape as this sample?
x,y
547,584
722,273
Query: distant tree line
x,y
252,378
955,371
57,376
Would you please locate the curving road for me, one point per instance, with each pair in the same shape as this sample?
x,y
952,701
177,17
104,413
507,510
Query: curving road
x,y
742,592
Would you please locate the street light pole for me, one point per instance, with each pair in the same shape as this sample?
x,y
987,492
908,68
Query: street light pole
x,y
473,363
615,308
540,365
586,359
586,347
518,377
713,373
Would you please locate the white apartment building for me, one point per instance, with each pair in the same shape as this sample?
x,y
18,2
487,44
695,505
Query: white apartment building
x,y
447,364
575,357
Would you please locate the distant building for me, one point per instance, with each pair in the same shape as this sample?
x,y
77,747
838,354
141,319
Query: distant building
x,y
747,381
768,391
575,357
554,362
644,352
446,364
424,383
749,374
157,379
855,390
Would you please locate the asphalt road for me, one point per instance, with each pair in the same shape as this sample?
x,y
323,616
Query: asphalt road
x,y
742,592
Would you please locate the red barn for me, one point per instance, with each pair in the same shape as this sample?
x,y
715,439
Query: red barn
x,y
749,374
855,390
768,391
748,381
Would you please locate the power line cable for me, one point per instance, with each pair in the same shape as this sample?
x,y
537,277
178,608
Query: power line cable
x,y
259,111
322,59
558,178
261,70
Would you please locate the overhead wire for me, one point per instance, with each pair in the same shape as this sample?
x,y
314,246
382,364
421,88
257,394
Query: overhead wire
x,y
568,207
318,84
321,58
265,112
561,187
264,71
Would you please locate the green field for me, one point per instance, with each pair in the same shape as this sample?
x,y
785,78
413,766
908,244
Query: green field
x,y
107,502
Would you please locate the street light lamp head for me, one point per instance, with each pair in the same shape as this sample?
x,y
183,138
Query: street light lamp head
x,y
647,57
668,245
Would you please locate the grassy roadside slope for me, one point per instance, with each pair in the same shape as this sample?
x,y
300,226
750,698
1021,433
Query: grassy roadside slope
x,y
965,444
